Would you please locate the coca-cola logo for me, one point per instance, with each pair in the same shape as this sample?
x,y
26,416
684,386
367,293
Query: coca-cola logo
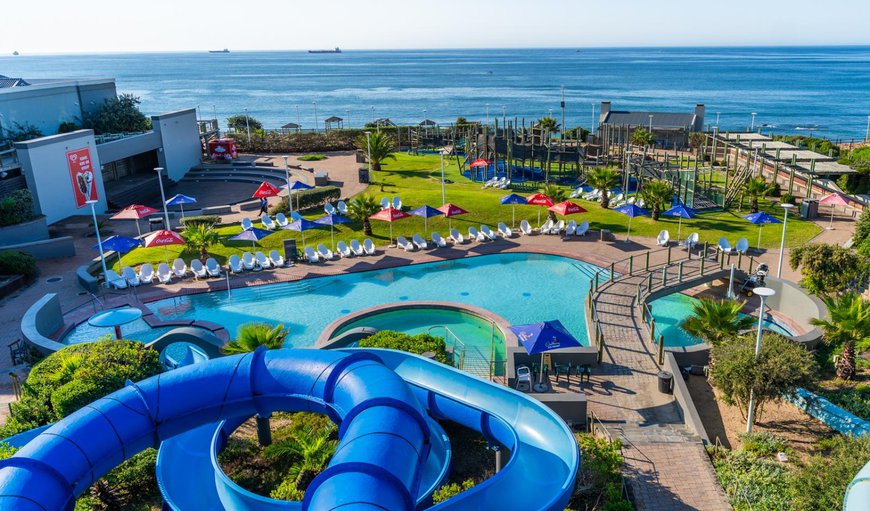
x,y
167,239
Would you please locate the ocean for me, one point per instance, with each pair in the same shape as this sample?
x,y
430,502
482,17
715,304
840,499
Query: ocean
x,y
823,91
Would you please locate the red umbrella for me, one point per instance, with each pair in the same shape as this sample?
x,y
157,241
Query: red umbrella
x,y
450,210
265,190
834,199
390,215
163,238
134,212
539,199
480,163
566,208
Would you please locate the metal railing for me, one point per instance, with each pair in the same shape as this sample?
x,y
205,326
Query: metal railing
x,y
458,361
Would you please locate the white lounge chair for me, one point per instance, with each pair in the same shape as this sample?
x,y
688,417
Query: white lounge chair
x,y
474,234
312,256
692,240
490,182
343,250
262,260
199,271
294,216
663,238
397,203
213,268
329,209
281,220
419,242
457,238
571,228
164,274
369,247
576,193
276,258
404,244
524,379
742,246
235,264
505,185
385,202
342,207
246,224
130,276
179,267
526,228
356,247
594,194
146,273
325,253
268,223
505,230
438,240
558,228
546,227
486,231
582,229
724,246
248,261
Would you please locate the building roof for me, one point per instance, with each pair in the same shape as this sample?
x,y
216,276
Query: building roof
x,y
745,137
428,122
384,122
333,119
799,155
825,168
291,126
659,120
6,81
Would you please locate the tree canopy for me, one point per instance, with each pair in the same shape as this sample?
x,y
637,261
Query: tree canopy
x,y
241,123
118,115
826,268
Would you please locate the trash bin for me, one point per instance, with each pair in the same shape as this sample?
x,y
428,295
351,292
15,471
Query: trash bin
x,y
666,381
605,235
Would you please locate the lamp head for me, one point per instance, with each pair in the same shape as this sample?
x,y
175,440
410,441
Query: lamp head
x,y
764,292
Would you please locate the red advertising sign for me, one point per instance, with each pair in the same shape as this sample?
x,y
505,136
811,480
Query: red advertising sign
x,y
81,171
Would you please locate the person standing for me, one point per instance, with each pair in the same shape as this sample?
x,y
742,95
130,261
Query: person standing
x,y
264,206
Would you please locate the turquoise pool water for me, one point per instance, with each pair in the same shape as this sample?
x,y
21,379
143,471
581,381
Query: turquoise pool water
x,y
672,310
522,288
137,330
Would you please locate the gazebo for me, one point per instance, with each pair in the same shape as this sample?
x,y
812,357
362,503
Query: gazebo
x,y
291,126
333,122
384,123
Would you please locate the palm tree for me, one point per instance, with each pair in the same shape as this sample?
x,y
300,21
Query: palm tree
x,y
361,208
603,178
848,325
757,188
716,321
656,194
199,238
642,137
253,335
311,449
379,146
557,194
696,140
548,123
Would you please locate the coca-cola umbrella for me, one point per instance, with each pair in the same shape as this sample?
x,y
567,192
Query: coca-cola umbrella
x,y
539,199
265,190
834,199
450,210
390,215
163,238
134,212
566,208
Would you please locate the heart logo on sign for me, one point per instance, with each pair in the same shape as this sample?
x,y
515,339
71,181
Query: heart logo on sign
x,y
85,182
73,157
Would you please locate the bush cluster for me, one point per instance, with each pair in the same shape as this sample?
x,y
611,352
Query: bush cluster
x,y
207,220
308,199
312,157
17,207
419,344
13,262
853,399
271,142
599,481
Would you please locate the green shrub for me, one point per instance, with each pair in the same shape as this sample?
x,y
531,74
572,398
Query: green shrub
x,y
853,399
16,207
131,486
752,482
13,262
308,199
820,484
67,127
308,142
209,220
312,157
787,198
599,480
419,344
448,491
6,450
763,444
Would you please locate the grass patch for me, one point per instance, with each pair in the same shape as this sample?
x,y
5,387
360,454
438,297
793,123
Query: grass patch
x,y
312,157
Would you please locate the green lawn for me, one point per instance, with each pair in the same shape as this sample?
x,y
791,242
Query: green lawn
x,y
416,180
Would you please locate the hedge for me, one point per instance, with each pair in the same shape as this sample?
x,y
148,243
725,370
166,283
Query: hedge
x,y
13,262
419,344
209,220
17,207
308,199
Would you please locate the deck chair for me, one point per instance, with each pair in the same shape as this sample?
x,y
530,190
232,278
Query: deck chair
x,y
325,253
146,274
268,223
457,238
281,220
505,231
419,241
179,267
524,379
198,270
130,276
742,246
663,238
438,240
276,258
724,246
213,268
262,260
474,234
246,224
369,247
486,231
311,255
343,250
164,274
342,207
235,264
248,261
571,228
582,229
526,228
356,247
404,244
385,202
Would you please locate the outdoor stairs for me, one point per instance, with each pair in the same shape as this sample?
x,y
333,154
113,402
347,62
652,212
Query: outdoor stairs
x,y
476,363
736,185
252,175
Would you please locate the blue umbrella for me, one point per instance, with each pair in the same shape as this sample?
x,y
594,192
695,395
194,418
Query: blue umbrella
x,y
301,226
541,337
115,318
295,185
254,234
760,219
631,211
179,200
120,244
426,212
680,212
331,221
513,199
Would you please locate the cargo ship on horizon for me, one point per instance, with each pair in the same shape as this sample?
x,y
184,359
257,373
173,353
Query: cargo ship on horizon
x,y
336,50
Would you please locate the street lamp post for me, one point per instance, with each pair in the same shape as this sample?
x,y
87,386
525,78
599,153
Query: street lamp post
x,y
786,208
752,126
592,126
650,124
287,176
99,242
717,119
159,171
443,193
248,126
867,133
764,293
316,123
369,155
487,113
298,119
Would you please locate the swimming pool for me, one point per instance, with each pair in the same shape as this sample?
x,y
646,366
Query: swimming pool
x,y
137,330
671,310
522,288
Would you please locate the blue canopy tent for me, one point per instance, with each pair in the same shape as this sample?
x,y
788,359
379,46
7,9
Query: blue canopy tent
x,y
180,200
254,234
426,212
295,186
331,221
760,219
542,337
631,211
513,199
301,226
680,212
119,244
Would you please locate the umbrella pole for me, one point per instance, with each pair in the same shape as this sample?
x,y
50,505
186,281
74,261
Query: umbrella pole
x,y
679,230
426,226
628,234
166,253
182,209
831,224
759,236
541,377
138,229
332,235
391,234
513,216
539,216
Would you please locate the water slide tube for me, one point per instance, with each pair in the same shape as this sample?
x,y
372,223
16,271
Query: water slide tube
x,y
374,395
858,492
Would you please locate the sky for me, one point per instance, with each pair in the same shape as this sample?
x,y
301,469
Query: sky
x,y
100,26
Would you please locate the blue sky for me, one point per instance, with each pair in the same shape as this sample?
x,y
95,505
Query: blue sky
x,y
57,26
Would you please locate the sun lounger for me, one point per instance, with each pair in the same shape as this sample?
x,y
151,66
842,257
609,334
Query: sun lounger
x,y
545,228
281,220
526,228
558,228
164,274
692,240
385,202
419,242
146,274
663,238
246,224
235,264
505,230
571,228
524,379
457,238
369,247
576,193
329,209
342,207
724,246
486,231
742,246
343,250
325,253
248,261
594,194
438,240
489,182
179,268
582,229
276,258
295,216
268,223
404,244
130,276
198,270
356,247
312,256
474,234
213,268
505,185
397,203
262,260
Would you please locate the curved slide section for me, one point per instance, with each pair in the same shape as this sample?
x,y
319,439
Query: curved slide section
x,y
858,492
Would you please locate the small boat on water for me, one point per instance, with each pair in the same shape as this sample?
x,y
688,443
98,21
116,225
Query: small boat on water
x,y
225,50
336,50
15,53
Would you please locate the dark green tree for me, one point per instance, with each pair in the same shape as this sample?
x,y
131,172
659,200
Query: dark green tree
x,y
826,268
656,194
241,122
603,178
849,324
716,321
118,115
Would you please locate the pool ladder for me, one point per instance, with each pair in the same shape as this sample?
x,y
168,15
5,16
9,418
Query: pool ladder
x,y
470,360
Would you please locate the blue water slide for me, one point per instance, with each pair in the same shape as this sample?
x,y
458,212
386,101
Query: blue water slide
x,y
858,492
